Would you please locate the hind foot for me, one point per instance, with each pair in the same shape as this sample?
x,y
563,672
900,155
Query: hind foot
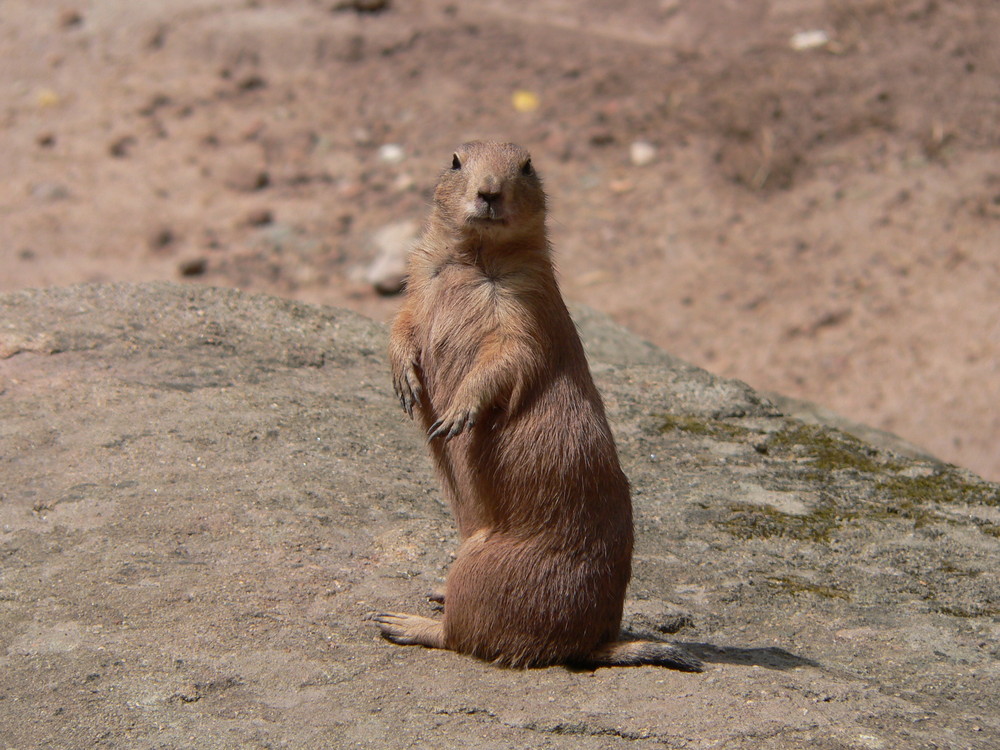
x,y
410,630
436,600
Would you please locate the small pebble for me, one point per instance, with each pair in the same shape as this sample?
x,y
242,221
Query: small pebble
x,y
525,101
601,137
192,267
46,98
804,40
392,243
362,6
391,153
161,239
120,147
252,82
70,18
260,217
642,153
158,38
246,178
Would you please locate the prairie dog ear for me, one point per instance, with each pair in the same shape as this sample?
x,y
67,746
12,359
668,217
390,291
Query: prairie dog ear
x,y
456,163
527,169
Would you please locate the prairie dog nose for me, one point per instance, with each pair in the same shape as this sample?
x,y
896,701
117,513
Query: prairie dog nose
x,y
490,190
490,197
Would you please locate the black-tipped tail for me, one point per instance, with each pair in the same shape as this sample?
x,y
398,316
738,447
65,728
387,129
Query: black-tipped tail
x,y
637,653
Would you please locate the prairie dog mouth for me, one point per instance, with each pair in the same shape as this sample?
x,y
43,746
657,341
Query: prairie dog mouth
x,y
487,212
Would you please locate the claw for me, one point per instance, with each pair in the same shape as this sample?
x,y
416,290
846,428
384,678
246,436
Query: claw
x,y
448,427
435,430
407,388
415,388
462,424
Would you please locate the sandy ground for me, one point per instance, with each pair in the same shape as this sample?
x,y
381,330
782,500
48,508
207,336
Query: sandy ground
x,y
823,222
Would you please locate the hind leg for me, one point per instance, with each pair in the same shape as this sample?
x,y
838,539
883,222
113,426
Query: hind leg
x,y
409,630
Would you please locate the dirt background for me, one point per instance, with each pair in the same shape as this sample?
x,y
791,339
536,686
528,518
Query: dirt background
x,y
821,222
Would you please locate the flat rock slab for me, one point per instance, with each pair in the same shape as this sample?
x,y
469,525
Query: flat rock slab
x,y
204,492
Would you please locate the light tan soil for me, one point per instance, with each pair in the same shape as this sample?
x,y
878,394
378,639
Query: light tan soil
x,y
824,223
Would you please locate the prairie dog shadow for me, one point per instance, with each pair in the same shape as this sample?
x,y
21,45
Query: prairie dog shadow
x,y
641,626
771,657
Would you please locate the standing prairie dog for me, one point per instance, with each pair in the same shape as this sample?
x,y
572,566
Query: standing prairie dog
x,y
485,353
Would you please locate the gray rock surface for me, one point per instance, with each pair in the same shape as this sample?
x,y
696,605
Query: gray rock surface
x,y
204,492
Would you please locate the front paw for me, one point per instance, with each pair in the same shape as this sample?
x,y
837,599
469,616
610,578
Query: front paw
x,y
454,423
406,383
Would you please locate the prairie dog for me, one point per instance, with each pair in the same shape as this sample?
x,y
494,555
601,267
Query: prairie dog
x,y
484,352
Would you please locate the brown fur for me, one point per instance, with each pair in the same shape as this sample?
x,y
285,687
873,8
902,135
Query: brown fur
x,y
486,354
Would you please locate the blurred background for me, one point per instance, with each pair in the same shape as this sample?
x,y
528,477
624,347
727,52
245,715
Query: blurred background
x,y
804,195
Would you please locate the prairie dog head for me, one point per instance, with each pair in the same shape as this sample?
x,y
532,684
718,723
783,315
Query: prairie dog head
x,y
491,190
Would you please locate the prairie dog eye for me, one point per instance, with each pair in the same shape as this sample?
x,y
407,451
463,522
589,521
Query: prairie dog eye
x,y
456,163
527,169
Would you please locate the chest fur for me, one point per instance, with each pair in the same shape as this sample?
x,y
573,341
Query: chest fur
x,y
463,309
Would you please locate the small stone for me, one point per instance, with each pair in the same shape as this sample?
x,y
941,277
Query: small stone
x,y
391,153
155,103
804,40
252,82
362,6
70,18
392,244
525,101
192,266
246,178
121,146
161,239
46,98
642,153
46,139
158,38
260,217
601,137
